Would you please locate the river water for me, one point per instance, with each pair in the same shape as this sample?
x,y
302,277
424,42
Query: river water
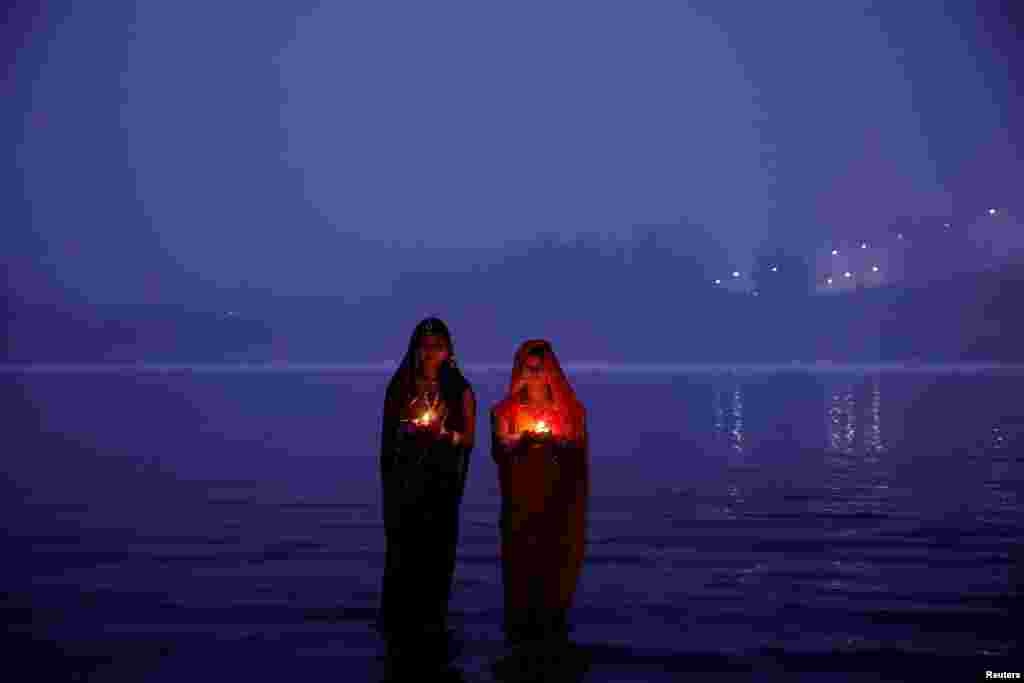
x,y
744,525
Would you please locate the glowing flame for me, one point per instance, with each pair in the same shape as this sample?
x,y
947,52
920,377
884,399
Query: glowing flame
x,y
425,419
542,427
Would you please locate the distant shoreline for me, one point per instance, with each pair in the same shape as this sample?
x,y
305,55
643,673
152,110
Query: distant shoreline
x,y
582,367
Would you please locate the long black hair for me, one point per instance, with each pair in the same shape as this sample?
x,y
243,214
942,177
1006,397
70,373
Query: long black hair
x,y
450,378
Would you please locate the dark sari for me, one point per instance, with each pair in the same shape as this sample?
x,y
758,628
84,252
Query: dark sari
x,y
422,487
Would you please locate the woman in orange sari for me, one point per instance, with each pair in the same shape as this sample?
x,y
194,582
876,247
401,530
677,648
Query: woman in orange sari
x,y
540,446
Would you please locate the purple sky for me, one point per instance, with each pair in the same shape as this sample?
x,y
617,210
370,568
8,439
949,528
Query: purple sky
x,y
285,144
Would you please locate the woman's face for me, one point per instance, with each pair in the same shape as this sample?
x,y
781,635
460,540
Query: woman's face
x,y
533,372
433,350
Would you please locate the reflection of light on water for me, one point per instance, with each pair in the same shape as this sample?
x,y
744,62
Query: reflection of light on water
x,y
729,431
735,494
1002,501
856,484
998,438
736,443
728,422
851,421
719,415
737,411
875,444
842,421
833,423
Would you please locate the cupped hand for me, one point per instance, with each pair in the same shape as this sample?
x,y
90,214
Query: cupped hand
x,y
423,434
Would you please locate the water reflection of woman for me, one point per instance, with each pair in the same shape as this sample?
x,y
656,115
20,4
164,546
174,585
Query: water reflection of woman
x,y
426,439
544,479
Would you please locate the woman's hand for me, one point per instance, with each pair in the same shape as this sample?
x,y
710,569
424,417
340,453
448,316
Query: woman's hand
x,y
421,435
542,438
453,437
511,440
518,386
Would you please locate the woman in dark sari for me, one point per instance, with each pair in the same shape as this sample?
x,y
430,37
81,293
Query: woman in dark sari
x,y
540,446
426,439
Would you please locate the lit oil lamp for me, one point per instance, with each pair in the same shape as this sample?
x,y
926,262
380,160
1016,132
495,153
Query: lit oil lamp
x,y
425,419
542,434
541,427
540,431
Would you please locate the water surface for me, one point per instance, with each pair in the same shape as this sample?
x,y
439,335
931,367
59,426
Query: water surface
x,y
782,520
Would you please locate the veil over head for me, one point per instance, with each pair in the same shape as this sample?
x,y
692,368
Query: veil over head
x,y
544,489
453,383
561,391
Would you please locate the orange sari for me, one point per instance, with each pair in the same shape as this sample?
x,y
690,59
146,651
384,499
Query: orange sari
x,y
544,489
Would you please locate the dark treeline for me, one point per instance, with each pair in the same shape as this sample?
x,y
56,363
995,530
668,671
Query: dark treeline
x,y
966,318
125,333
649,298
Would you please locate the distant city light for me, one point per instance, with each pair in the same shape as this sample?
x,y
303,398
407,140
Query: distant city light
x,y
718,282
755,292
863,245
835,252
775,269
829,281
735,273
900,235
847,274
874,268
947,225
991,212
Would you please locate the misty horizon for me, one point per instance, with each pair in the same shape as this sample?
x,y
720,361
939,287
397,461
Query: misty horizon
x,y
421,159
